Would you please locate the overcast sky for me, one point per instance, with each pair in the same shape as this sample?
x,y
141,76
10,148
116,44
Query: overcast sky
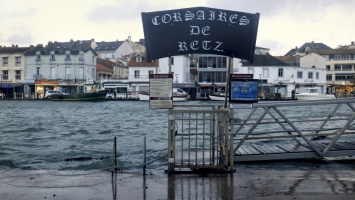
x,y
284,24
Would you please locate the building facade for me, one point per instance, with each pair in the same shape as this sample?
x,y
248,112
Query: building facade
x,y
12,70
60,66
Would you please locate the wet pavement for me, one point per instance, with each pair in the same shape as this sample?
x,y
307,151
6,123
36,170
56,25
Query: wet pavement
x,y
260,181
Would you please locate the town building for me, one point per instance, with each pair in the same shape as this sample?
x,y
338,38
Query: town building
x,y
278,77
12,71
63,66
340,66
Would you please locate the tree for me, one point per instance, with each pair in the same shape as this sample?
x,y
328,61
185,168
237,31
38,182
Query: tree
x,y
279,86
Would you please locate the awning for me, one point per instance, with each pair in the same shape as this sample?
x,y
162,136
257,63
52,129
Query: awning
x,y
10,85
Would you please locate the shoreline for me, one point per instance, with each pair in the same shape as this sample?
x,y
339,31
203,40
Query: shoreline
x,y
259,181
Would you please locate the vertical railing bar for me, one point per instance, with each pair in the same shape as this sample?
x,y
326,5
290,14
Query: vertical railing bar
x,y
211,137
203,139
189,150
182,137
196,139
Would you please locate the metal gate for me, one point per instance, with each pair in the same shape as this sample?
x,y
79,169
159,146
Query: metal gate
x,y
199,138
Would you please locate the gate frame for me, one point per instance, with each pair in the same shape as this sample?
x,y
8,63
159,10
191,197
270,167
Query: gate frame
x,y
221,130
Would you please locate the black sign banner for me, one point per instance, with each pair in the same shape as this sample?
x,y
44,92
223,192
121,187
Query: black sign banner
x,y
200,30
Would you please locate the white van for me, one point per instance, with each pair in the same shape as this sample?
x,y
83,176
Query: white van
x,y
179,91
50,92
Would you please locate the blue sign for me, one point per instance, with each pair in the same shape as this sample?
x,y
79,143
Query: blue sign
x,y
243,88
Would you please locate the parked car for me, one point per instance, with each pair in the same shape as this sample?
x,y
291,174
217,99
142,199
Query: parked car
x,y
110,96
50,92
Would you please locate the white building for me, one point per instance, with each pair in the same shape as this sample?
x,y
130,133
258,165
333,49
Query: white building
x,y
180,67
277,75
63,66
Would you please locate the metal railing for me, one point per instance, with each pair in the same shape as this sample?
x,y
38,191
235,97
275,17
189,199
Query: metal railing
x,y
300,122
200,138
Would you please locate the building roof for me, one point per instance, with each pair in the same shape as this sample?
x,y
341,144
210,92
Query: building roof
x,y
144,63
101,68
333,51
108,46
286,58
306,47
264,60
106,63
60,47
13,49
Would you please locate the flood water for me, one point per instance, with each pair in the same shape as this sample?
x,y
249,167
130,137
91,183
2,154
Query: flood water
x,y
51,135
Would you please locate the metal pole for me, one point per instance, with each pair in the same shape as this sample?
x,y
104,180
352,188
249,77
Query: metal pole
x,y
230,67
115,152
144,155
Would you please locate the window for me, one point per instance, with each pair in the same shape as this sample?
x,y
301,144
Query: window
x,y
139,58
265,73
136,73
67,57
337,57
5,61
93,73
38,70
327,67
212,62
172,60
209,62
5,75
150,72
281,72
212,77
81,57
52,75
346,57
300,75
52,57
337,68
18,74
310,75
18,60
329,77
317,75
38,57
67,72
346,68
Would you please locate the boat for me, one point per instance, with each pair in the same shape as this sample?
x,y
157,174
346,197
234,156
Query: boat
x,y
313,94
217,97
90,93
88,96
145,97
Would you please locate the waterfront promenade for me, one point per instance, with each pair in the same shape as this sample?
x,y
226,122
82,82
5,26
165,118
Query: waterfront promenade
x,y
320,179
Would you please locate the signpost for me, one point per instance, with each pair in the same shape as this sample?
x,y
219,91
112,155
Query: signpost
x,y
160,89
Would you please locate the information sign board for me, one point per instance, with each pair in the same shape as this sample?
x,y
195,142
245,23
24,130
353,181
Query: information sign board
x,y
160,91
243,89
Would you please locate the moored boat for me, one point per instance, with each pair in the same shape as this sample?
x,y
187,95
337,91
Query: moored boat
x,y
146,97
313,94
89,96
217,97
